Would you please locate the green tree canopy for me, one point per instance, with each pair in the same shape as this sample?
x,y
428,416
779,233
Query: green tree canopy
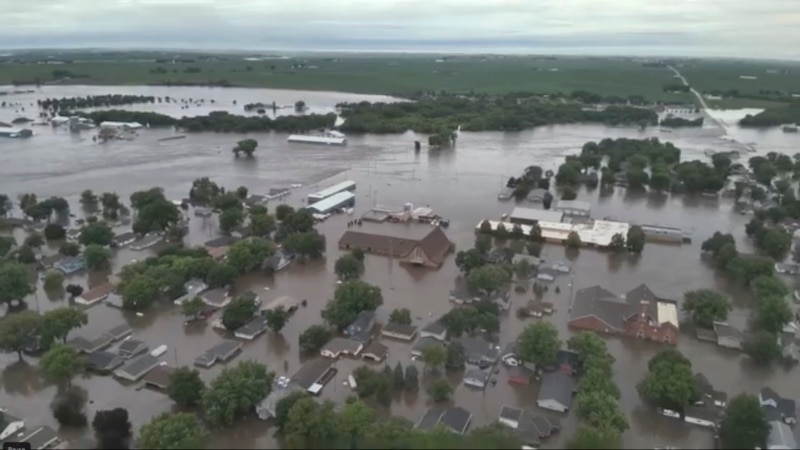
x,y
706,306
96,233
669,382
744,424
15,284
57,323
185,387
240,311
349,300
488,278
61,363
17,329
400,316
173,431
236,391
539,344
347,267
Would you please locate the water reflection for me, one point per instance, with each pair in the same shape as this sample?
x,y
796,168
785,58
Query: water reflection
x,y
22,378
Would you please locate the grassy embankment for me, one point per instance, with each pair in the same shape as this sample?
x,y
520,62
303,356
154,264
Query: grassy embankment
x,y
378,74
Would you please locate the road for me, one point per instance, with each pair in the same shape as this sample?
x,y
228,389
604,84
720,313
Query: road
x,y
700,98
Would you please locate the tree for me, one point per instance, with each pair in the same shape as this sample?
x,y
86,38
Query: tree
x,y
595,438
27,200
61,363
96,233
598,380
358,254
276,318
57,323
185,387
351,298
411,382
54,232
5,205
97,257
483,243
140,199
193,307
236,391
283,211
240,311
705,307
399,377
172,430
618,243
229,219
637,178
311,424
6,244
53,281
454,356
68,407
591,349
485,228
70,249
669,382
112,428
308,244
314,337
538,343
440,390
283,407
347,267
262,225
14,282
573,240
249,254
569,193
34,240
17,329
401,316
635,239
762,347
157,215
203,191
523,268
88,198
433,356
139,293
242,192
774,313
246,146
769,286
468,260
226,201
660,181
221,275
354,421
744,423
26,255
74,290
534,248
301,221
488,278
600,410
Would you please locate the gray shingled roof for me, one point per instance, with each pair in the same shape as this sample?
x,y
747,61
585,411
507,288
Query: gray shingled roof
x,y
456,418
598,302
557,386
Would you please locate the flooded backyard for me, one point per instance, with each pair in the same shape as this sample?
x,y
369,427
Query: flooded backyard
x,y
459,184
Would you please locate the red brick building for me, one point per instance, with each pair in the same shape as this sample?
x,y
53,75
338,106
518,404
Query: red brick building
x,y
638,314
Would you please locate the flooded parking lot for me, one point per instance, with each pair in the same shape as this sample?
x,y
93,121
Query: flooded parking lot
x,y
459,184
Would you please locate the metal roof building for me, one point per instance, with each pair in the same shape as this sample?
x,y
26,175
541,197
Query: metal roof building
x,y
527,216
348,185
335,201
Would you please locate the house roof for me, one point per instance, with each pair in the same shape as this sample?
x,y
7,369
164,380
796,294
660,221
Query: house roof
x,y
400,329
569,357
132,347
377,349
519,372
104,360
539,215
704,412
510,413
363,319
215,296
311,371
124,237
429,419
159,376
724,330
41,437
340,344
89,345
137,366
780,436
456,418
120,331
98,291
224,348
435,327
479,347
222,241
784,407
476,374
557,386
255,326
436,245
600,303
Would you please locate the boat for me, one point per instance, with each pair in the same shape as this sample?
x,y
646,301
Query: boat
x,y
15,132
329,137
790,129
352,382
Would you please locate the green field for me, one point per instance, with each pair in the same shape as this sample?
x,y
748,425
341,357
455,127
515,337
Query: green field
x,y
377,74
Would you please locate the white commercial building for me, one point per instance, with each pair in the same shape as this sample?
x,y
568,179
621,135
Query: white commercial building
x,y
596,233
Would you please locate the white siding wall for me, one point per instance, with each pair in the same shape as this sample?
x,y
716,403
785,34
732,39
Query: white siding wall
x,y
551,405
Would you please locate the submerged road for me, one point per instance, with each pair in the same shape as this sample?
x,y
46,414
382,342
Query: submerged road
x,y
700,98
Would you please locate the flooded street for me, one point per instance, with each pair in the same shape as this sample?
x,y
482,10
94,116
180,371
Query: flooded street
x,y
459,184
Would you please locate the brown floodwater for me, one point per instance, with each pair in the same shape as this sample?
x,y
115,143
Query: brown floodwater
x,y
460,184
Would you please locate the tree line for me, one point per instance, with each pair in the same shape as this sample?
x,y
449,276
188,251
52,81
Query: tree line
x,y
93,101
773,117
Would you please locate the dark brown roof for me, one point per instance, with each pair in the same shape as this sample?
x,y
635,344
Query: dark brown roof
x,y
159,377
598,302
378,243
436,245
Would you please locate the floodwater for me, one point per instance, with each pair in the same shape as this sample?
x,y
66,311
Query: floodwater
x,y
460,184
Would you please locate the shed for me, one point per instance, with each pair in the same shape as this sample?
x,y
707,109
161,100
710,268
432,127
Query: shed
x,y
137,367
399,331
434,330
375,351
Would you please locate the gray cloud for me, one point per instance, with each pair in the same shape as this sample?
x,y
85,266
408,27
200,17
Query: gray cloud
x,y
769,28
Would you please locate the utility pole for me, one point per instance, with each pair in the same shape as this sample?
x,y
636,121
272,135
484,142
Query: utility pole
x,y
391,257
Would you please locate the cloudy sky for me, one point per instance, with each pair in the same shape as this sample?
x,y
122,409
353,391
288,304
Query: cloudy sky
x,y
764,28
